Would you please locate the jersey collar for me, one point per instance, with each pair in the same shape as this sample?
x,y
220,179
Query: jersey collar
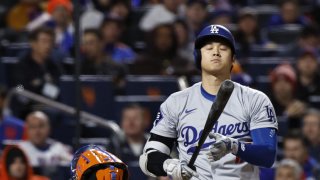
x,y
206,95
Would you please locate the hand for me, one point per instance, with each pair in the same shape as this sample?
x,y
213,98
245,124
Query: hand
x,y
296,109
222,146
178,170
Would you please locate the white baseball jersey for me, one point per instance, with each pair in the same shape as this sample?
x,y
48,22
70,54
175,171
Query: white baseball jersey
x,y
56,155
184,114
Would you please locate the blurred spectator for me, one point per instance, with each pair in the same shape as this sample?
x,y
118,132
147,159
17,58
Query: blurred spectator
x,y
283,81
161,56
160,14
23,13
11,128
185,45
295,147
133,125
120,9
289,14
288,169
15,166
309,39
311,130
240,76
248,32
308,86
46,155
61,22
96,61
223,17
102,5
196,14
112,29
36,71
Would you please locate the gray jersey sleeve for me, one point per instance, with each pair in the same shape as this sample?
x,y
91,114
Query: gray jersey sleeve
x,y
166,121
262,114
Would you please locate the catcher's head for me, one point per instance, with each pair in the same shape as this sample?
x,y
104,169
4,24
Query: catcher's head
x,y
93,163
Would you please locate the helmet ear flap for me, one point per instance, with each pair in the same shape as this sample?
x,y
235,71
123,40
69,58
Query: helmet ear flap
x,y
197,58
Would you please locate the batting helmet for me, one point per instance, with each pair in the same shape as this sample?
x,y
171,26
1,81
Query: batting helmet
x,y
212,32
93,163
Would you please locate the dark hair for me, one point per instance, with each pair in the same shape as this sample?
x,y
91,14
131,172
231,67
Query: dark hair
x,y
296,135
132,106
3,91
93,31
309,31
295,2
33,36
13,153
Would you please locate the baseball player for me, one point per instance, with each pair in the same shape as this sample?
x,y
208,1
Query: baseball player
x,y
243,138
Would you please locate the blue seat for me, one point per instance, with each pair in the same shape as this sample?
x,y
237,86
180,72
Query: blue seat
x,y
151,85
6,69
284,34
96,94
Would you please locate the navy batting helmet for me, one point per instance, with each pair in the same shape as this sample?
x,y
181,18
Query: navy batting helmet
x,y
212,32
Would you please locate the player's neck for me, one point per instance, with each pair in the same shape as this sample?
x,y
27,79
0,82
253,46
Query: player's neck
x,y
212,83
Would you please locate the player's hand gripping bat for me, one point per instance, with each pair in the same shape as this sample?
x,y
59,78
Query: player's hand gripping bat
x,y
216,110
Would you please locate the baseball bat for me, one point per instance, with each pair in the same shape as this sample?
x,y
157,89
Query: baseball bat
x,y
216,110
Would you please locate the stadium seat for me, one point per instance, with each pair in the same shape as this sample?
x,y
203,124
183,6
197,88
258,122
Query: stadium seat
x,y
6,69
264,13
284,34
151,85
96,93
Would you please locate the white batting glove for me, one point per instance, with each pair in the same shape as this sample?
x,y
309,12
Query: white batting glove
x,y
178,170
222,146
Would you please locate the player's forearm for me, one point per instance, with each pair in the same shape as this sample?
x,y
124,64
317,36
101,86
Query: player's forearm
x,y
155,163
263,150
260,155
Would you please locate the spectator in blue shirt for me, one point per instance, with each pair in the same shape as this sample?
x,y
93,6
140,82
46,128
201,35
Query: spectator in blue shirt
x,y
111,29
289,14
11,128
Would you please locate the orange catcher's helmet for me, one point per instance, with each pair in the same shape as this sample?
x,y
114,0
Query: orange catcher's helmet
x,y
93,163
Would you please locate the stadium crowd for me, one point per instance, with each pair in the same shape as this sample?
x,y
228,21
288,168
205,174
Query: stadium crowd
x,y
277,52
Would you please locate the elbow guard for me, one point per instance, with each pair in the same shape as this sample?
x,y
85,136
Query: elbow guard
x,y
147,163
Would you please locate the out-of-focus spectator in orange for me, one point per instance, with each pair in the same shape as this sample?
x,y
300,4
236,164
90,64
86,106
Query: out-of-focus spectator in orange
x,y
311,130
61,22
295,147
288,169
23,13
15,166
133,124
45,155
164,13
11,128
112,29
36,71
308,86
185,44
161,56
196,14
248,32
283,81
289,14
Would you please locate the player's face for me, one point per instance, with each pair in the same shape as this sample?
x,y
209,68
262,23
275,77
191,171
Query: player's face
x,y
285,173
293,149
217,58
17,169
311,127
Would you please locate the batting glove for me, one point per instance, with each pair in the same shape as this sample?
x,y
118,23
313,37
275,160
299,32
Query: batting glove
x,y
178,170
222,146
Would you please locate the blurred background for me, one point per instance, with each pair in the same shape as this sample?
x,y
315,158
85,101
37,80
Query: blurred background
x,y
133,54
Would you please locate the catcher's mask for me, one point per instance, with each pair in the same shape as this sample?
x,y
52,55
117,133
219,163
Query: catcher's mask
x,y
93,163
